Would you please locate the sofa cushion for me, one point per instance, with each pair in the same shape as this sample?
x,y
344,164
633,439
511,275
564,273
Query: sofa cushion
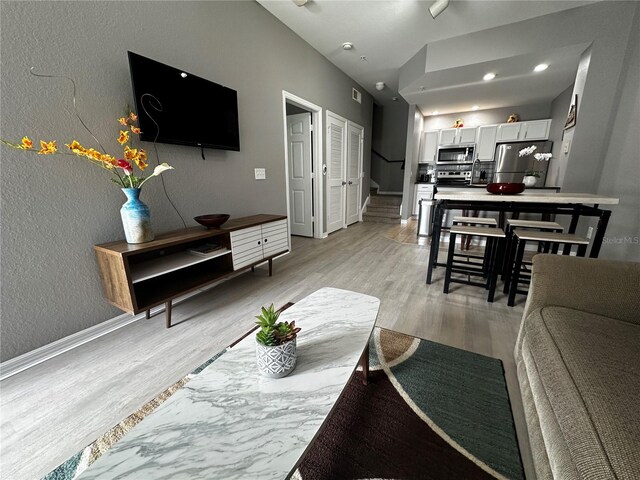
x,y
584,372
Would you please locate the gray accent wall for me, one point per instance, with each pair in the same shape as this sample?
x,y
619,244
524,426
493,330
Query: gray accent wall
x,y
55,208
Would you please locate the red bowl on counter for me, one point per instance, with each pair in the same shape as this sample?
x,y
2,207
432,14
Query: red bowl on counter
x,y
505,188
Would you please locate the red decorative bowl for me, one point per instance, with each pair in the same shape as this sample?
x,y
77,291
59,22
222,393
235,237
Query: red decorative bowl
x,y
505,188
212,221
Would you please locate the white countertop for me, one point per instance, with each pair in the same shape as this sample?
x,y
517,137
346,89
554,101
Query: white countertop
x,y
229,422
529,197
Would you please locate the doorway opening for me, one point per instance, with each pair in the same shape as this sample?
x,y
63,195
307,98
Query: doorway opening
x,y
303,166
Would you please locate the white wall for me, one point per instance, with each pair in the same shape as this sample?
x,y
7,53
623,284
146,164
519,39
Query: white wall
x,y
559,110
54,209
620,175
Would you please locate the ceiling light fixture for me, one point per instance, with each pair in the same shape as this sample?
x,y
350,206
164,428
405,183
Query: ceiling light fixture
x,y
489,76
475,107
379,86
541,68
438,7
347,46
300,3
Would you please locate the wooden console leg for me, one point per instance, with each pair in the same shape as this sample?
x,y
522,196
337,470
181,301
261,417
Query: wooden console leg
x,y
168,313
147,314
364,362
270,267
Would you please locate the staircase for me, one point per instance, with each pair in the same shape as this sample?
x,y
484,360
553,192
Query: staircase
x,y
383,209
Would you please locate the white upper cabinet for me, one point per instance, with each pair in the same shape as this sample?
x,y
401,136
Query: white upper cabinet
x,y
455,136
524,131
448,136
509,132
467,134
428,147
536,130
486,142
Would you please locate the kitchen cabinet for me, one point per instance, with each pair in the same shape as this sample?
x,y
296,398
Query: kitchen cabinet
x,y
421,191
455,136
509,132
487,135
524,131
428,147
536,130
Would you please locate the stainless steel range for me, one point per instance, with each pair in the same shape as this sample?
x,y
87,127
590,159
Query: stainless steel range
x,y
454,174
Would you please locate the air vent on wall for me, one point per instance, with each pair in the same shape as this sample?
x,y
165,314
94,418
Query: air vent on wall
x,y
356,95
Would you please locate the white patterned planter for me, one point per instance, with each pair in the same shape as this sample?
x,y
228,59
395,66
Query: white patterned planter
x,y
278,361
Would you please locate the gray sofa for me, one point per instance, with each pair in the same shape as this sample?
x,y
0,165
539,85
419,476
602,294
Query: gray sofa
x,y
578,362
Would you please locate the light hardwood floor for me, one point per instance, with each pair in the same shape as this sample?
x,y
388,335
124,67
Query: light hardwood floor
x,y
51,411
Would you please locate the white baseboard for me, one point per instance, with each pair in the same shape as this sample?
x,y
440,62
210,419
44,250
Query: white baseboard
x,y
364,207
380,192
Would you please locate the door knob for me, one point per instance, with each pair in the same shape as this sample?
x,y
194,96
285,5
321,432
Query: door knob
x,y
344,183
350,182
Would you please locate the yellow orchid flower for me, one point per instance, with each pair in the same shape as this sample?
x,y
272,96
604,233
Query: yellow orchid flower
x,y
136,130
130,153
124,137
27,143
76,148
142,155
133,116
47,148
123,121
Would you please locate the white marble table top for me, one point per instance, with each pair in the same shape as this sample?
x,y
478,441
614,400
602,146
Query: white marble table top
x,y
229,422
530,197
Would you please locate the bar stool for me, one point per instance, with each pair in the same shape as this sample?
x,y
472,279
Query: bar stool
x,y
470,269
510,250
488,222
521,237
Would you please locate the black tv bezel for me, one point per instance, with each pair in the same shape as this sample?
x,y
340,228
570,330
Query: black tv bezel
x,y
172,141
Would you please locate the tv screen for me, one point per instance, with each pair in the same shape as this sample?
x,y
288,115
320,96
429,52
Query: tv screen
x,y
194,111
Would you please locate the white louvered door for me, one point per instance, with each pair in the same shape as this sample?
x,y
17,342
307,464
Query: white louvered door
x,y
355,140
336,173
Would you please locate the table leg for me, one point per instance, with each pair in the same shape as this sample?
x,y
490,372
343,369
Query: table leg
x,y
599,236
147,314
435,240
572,229
168,314
364,362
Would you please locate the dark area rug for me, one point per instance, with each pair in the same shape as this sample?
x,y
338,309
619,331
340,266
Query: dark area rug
x,y
429,412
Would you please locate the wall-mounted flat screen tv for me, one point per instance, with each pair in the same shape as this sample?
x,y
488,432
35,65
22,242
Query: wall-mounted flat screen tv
x,y
194,111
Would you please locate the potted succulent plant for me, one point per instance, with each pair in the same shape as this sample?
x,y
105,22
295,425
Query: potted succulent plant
x,y
275,344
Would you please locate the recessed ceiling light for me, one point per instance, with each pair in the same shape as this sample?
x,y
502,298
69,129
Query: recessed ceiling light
x,y
435,112
183,75
347,46
541,68
475,107
489,76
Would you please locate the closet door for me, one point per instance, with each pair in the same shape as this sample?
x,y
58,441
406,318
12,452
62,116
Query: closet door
x,y
355,140
336,164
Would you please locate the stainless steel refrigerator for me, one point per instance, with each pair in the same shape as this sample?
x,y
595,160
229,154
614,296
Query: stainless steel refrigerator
x,y
511,167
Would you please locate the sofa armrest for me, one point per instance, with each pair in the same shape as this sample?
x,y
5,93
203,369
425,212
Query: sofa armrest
x,y
603,287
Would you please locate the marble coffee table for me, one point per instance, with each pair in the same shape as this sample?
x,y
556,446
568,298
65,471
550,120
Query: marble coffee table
x,y
230,423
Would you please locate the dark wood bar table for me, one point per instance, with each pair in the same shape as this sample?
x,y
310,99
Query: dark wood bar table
x,y
575,205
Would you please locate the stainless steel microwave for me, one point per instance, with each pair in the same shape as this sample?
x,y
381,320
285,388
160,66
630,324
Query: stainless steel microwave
x,y
457,154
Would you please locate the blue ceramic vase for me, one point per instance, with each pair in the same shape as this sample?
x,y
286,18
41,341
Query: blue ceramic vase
x,y
136,218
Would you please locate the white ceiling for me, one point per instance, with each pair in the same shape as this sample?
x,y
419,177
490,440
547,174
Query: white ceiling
x,y
389,32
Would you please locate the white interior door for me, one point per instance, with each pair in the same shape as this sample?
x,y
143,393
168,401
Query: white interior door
x,y
336,164
300,175
355,140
